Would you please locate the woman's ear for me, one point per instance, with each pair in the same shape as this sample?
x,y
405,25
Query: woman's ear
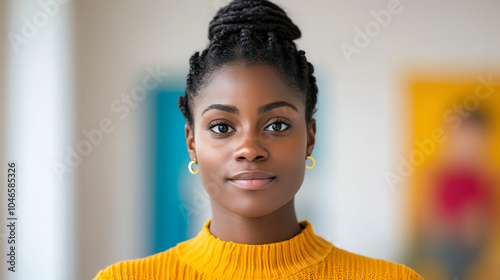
x,y
190,141
311,134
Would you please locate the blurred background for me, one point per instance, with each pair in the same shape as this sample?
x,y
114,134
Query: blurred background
x,y
407,154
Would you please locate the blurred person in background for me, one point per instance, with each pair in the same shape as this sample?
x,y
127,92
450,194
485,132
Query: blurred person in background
x,y
460,214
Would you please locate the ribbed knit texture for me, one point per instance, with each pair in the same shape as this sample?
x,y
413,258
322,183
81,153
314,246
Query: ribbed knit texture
x,y
304,256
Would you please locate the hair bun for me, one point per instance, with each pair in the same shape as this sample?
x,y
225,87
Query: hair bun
x,y
256,15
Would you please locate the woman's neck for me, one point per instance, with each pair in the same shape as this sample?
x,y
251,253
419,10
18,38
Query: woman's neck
x,y
277,226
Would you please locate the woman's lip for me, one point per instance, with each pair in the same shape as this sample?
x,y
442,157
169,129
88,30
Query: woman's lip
x,y
252,184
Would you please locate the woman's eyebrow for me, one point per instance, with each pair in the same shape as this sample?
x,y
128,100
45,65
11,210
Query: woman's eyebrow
x,y
262,109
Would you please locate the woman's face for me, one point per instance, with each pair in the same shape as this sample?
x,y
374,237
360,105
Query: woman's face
x,y
243,134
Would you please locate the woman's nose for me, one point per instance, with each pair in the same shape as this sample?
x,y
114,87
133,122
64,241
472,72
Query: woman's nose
x,y
251,147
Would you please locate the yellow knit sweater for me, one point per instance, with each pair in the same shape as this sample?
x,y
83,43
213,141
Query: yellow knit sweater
x,y
304,256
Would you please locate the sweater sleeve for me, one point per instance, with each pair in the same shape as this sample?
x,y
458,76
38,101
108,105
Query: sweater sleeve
x,y
102,275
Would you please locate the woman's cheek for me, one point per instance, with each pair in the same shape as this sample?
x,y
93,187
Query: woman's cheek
x,y
297,144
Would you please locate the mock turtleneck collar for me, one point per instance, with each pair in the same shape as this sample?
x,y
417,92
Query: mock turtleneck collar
x,y
226,259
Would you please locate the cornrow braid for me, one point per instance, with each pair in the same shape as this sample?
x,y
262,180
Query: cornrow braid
x,y
251,31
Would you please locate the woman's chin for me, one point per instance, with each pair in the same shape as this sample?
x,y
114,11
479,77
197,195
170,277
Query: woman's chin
x,y
252,205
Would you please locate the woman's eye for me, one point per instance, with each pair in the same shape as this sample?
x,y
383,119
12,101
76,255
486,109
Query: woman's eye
x,y
279,126
222,128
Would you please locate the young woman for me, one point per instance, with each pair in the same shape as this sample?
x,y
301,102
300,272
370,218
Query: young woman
x,y
249,106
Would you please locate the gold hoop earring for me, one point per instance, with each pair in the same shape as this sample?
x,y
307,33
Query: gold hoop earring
x,y
313,162
190,167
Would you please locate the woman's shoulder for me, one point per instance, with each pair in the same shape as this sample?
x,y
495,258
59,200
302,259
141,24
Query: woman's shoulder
x,y
357,266
141,268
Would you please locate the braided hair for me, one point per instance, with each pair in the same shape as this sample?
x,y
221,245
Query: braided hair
x,y
251,31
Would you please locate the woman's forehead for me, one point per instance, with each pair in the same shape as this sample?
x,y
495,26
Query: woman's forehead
x,y
238,82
